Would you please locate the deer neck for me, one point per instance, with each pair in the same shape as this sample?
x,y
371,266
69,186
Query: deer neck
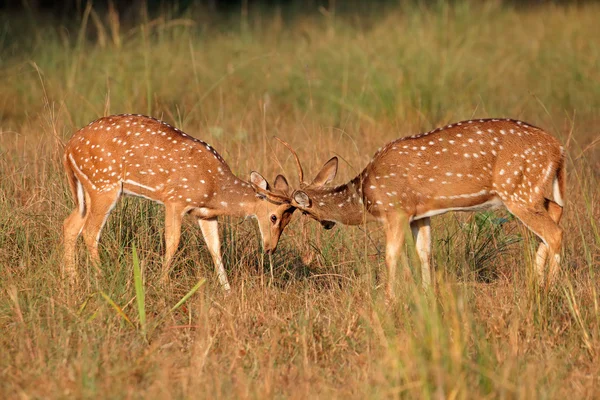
x,y
343,204
236,198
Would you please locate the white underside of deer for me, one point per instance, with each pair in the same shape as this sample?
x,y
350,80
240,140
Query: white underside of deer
x,y
466,166
141,156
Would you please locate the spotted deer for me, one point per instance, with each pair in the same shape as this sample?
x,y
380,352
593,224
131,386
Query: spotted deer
x,y
142,156
466,166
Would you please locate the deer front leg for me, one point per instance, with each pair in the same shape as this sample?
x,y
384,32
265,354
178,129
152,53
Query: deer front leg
x,y
394,236
210,230
421,230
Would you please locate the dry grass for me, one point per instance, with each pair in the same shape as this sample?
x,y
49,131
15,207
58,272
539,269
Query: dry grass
x,y
329,84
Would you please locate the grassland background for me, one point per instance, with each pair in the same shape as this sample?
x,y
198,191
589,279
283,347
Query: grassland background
x,y
329,82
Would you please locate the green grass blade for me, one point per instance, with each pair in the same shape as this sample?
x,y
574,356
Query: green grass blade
x,y
188,294
85,303
139,291
118,309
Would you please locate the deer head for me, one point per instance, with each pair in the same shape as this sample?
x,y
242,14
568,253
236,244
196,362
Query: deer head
x,y
327,205
275,211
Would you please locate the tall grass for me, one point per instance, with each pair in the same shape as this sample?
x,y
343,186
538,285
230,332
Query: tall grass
x,y
329,82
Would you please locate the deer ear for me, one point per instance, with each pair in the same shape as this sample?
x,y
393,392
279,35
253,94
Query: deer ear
x,y
327,173
281,184
301,198
258,180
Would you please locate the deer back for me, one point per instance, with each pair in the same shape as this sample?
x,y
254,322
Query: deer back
x,y
150,158
461,166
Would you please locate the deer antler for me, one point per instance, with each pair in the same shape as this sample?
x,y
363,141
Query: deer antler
x,y
300,172
270,195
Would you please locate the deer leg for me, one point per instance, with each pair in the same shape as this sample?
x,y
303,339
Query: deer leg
x,y
173,218
71,230
421,230
394,236
210,230
555,211
543,223
98,211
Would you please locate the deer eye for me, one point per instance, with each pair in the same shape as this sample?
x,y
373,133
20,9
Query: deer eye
x,y
273,218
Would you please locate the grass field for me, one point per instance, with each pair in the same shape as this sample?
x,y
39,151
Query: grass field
x,y
329,82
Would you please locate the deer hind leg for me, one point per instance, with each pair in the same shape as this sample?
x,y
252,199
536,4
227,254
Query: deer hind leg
x,y
97,213
543,223
555,211
394,236
72,228
421,230
173,218
210,231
